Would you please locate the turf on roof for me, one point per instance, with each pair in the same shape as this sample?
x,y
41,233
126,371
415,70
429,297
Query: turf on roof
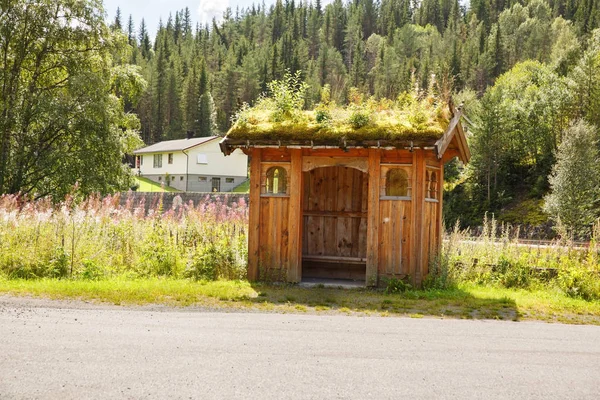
x,y
392,123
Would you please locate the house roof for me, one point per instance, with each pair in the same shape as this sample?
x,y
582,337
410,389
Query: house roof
x,y
174,145
438,130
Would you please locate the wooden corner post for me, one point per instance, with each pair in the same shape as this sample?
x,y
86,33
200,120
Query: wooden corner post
x,y
373,217
254,215
419,216
294,273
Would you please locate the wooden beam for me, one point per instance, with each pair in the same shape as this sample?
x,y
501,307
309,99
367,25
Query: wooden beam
x,y
440,224
419,216
373,217
296,189
442,144
466,153
254,216
312,162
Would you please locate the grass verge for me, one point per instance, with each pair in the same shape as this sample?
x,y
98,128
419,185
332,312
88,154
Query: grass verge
x,y
466,301
147,185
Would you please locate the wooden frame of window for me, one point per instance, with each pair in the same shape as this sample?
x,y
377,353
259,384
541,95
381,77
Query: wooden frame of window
x,y
266,185
389,193
432,184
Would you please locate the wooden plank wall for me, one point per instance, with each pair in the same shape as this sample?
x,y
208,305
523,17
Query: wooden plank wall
x,y
254,216
430,234
394,237
274,238
335,211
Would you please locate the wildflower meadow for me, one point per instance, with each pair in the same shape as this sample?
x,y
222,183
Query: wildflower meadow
x,y
99,238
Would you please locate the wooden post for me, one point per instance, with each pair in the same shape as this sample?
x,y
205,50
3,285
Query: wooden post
x,y
440,224
294,272
373,217
418,199
254,215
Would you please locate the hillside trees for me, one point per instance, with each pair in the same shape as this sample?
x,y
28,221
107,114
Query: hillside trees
x,y
575,179
379,47
62,118
518,127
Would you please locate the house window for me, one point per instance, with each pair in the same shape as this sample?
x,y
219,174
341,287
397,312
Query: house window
x,y
141,160
216,185
170,158
172,178
229,180
431,182
276,181
397,183
202,179
158,160
202,159
181,178
160,178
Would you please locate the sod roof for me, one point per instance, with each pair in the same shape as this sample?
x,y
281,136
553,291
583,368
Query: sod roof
x,y
391,124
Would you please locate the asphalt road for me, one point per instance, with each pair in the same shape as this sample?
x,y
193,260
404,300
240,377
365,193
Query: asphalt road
x,y
72,350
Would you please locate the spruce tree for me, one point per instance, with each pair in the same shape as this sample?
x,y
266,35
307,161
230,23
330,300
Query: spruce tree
x,y
206,117
131,31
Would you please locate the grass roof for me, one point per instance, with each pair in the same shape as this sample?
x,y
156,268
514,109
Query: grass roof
x,y
402,120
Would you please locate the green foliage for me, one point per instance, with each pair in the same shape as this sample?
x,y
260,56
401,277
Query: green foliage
x,y
579,282
575,180
359,118
396,285
322,115
496,258
214,260
323,109
100,239
63,102
288,97
91,271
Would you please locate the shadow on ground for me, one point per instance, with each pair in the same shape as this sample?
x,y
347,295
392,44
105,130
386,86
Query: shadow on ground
x,y
455,303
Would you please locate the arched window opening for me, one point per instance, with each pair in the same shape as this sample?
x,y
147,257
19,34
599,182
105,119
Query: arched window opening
x,y
432,185
397,183
276,181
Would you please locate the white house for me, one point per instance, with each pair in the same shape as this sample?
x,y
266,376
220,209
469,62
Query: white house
x,y
192,165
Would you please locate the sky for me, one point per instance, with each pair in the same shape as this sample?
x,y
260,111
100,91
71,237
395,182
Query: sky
x,y
152,10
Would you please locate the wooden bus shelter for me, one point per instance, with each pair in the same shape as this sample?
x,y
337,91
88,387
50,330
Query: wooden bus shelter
x,y
353,209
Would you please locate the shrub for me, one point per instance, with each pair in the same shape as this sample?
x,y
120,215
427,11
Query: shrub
x,y
396,285
579,282
214,260
91,271
511,273
359,118
59,264
288,96
322,115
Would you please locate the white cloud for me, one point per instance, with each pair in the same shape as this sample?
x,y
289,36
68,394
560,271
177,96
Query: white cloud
x,y
209,9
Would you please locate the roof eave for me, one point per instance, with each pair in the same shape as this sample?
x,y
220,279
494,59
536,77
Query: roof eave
x,y
454,132
144,151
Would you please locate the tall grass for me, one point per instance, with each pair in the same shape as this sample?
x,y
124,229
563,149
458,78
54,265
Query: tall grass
x,y
99,238
497,258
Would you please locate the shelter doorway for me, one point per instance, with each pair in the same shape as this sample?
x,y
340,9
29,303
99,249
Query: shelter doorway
x,y
334,242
